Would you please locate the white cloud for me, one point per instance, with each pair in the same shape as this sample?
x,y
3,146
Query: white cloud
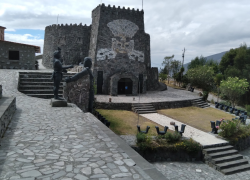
x,y
25,39
202,27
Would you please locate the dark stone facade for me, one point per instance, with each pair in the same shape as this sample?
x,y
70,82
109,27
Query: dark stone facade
x,y
24,60
72,39
117,43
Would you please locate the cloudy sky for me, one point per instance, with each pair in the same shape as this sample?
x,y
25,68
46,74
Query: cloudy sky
x,y
202,27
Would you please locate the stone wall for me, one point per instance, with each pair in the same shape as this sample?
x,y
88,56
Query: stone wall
x,y
159,155
72,39
157,105
152,78
7,110
242,144
78,92
26,56
1,91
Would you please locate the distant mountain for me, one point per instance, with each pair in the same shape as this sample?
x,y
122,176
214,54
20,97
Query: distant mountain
x,y
215,57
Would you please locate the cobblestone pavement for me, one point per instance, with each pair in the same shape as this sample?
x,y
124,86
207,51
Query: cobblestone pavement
x,y
58,143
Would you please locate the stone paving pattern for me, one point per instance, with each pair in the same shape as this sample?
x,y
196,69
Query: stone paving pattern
x,y
58,143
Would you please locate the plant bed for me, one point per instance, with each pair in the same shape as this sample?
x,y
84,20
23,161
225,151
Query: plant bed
x,y
170,147
236,133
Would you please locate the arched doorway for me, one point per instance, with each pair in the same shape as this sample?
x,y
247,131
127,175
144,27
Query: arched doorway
x,y
125,86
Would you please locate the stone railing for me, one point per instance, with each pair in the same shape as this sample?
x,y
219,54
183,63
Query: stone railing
x,y
78,92
1,91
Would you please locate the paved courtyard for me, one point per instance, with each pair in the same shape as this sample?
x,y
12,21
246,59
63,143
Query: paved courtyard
x,y
64,143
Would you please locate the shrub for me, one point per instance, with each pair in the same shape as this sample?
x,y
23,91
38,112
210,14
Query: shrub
x,y
172,137
212,101
143,140
229,128
189,145
227,103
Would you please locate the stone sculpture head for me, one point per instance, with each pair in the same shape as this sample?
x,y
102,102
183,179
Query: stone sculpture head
x,y
87,62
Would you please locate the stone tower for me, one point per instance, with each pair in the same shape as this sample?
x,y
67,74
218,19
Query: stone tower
x,y
72,39
120,50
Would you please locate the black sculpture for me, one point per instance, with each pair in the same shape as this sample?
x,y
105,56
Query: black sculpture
x,y
58,70
84,72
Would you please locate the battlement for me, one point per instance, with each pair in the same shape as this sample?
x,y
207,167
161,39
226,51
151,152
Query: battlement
x,y
109,9
66,25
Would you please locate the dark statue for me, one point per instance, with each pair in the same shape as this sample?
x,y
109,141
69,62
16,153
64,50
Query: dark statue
x,y
58,72
86,71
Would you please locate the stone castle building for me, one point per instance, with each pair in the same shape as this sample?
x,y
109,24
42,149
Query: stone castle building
x,y
118,45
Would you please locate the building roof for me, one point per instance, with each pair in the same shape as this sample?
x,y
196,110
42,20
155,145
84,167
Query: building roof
x,y
37,48
1,27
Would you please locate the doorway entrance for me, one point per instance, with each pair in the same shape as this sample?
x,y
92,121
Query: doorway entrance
x,y
125,86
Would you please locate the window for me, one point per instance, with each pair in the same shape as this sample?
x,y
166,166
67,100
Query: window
x,y
13,55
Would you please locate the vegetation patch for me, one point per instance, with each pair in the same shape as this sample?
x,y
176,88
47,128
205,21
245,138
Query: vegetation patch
x,y
234,130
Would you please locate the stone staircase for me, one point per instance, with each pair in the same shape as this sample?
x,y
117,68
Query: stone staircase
x,y
225,159
200,103
37,84
143,108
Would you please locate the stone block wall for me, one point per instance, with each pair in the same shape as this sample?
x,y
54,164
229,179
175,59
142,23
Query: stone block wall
x,y
26,56
152,78
7,109
72,39
1,91
78,92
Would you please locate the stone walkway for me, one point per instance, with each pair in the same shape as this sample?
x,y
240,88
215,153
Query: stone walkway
x,y
63,143
200,136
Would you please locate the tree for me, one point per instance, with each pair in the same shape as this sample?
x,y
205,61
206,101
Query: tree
x,y
175,66
198,61
217,79
233,88
202,76
167,63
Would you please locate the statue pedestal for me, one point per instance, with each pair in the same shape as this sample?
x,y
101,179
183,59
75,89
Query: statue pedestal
x,y
58,103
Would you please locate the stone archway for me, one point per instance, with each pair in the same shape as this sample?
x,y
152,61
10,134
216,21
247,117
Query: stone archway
x,y
127,82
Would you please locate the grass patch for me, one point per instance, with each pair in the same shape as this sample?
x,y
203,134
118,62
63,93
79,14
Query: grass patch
x,y
196,117
125,122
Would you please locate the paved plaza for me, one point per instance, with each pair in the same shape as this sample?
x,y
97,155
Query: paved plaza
x,y
65,143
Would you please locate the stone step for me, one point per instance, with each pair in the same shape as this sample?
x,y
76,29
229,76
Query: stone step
x,y
29,87
224,153
231,164
39,91
44,96
38,83
236,169
139,105
144,107
145,112
217,149
36,79
227,158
